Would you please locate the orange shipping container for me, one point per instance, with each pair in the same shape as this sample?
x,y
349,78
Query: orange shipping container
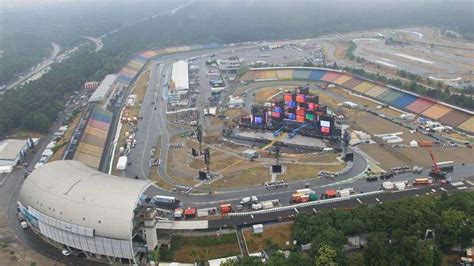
x,y
226,208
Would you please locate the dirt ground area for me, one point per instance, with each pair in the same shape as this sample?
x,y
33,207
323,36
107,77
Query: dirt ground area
x,y
235,113
275,234
389,157
12,252
190,249
237,172
372,124
340,49
16,254
262,95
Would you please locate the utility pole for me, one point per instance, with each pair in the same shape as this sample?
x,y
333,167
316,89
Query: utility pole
x,y
207,158
277,154
199,137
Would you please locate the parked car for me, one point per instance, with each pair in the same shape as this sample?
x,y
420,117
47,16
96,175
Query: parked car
x,y
24,225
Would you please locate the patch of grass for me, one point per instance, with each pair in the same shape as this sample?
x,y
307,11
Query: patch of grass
x,y
274,236
202,248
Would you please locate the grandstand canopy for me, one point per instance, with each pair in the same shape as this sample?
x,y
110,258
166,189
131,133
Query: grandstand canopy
x,y
179,75
74,193
104,89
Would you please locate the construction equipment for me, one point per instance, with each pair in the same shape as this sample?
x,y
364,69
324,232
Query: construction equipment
x,y
295,131
435,172
276,133
275,140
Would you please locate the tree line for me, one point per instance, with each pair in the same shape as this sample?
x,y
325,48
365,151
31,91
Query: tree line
x,y
409,231
35,106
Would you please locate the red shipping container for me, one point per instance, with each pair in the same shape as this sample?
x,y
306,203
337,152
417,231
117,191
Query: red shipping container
x,y
288,97
226,208
325,130
311,106
300,98
304,198
275,114
300,111
330,193
300,118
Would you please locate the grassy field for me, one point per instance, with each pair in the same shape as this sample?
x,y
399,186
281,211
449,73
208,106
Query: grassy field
x,y
272,235
191,249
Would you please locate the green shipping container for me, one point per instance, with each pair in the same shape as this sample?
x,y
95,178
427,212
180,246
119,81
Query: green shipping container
x,y
313,197
310,116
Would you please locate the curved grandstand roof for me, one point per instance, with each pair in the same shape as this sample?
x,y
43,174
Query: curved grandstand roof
x,y
72,192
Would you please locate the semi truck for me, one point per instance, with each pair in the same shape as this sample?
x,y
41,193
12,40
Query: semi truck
x,y
165,199
422,181
303,195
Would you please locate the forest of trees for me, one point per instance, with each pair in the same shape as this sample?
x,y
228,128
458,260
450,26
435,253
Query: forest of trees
x,y
395,233
35,105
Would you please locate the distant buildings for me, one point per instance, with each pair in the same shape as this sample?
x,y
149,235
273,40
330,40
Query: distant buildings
x,y
11,152
231,64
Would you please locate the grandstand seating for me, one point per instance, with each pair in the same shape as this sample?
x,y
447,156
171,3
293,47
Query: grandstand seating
x,y
301,74
364,86
420,105
468,125
330,76
351,83
454,118
91,146
436,111
342,79
376,91
270,74
391,96
316,74
396,98
284,74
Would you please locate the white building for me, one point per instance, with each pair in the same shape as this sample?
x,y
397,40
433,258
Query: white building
x,y
11,152
180,76
85,211
230,64
104,89
235,102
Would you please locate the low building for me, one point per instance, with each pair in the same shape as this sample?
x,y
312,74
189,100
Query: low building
x,y
85,211
12,151
104,89
180,76
230,64
235,102
250,154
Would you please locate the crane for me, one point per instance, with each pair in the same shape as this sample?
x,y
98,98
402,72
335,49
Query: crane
x,y
276,133
435,172
295,131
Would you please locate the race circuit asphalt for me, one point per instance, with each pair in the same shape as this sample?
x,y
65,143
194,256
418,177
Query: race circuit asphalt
x,y
153,129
